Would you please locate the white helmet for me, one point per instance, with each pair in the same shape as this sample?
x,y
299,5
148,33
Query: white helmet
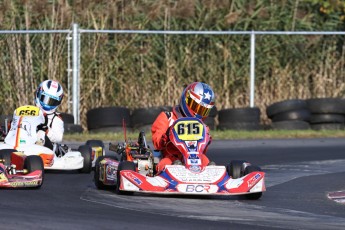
x,y
49,95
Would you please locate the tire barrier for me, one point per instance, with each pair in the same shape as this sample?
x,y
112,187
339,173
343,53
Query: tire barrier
x,y
239,119
326,113
292,114
107,117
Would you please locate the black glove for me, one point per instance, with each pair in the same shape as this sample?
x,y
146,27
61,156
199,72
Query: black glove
x,y
42,127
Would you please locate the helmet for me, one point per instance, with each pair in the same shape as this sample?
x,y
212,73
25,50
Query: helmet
x,y
49,95
197,100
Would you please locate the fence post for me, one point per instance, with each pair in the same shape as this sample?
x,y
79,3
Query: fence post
x,y
252,68
75,70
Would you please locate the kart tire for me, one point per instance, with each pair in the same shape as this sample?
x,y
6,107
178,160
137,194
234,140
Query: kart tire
x,y
326,105
285,106
96,143
72,128
99,184
67,118
107,117
124,165
249,169
235,169
5,154
242,115
86,152
301,115
33,163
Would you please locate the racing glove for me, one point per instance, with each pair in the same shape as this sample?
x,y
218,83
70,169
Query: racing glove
x,y
42,127
164,140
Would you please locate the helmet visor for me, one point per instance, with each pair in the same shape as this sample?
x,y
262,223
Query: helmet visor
x,y
196,107
49,100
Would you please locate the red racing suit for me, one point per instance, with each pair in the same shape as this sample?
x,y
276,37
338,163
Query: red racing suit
x,y
159,129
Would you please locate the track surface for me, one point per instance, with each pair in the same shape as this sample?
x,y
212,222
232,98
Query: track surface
x,y
300,174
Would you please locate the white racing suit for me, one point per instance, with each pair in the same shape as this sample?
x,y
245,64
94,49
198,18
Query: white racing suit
x,y
24,127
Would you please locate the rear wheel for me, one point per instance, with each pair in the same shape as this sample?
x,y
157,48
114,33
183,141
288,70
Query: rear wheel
x,y
93,144
249,169
124,165
99,184
5,156
86,152
33,163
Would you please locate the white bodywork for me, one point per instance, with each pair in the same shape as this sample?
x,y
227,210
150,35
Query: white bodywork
x,y
23,137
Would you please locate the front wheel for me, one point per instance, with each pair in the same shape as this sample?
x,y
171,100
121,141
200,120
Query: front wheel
x,y
86,152
236,169
124,165
33,163
98,174
250,169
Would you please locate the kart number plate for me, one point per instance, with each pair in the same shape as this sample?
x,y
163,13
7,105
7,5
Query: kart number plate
x,y
27,111
189,130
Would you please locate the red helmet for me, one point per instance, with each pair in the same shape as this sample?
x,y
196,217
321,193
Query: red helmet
x,y
197,100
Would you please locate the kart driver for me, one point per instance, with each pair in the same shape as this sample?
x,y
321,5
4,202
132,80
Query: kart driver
x,y
197,100
48,97
50,127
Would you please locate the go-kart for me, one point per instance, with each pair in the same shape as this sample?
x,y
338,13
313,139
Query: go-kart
x,y
18,170
135,171
60,157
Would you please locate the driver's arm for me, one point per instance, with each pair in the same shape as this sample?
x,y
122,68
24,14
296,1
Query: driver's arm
x,y
159,128
56,130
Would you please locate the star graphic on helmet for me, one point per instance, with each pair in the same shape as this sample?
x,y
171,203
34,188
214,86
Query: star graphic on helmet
x,y
207,96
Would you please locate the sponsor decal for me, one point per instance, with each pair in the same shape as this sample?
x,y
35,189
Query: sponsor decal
x,y
253,180
134,178
24,183
111,172
195,168
197,188
22,141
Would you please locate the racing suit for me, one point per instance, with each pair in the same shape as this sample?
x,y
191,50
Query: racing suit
x,y
160,140
50,128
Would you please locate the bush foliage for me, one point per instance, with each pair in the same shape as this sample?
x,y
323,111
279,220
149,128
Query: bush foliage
x,y
135,70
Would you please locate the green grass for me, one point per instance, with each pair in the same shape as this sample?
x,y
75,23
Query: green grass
x,y
218,135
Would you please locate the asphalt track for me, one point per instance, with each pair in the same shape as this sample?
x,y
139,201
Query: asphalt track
x,y
300,173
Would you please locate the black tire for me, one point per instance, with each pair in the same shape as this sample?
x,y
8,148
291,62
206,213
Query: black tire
x,y
327,126
72,128
86,152
124,165
290,125
240,126
284,106
33,163
96,143
5,154
327,118
239,115
213,112
144,116
108,116
67,118
301,115
99,184
326,105
235,168
210,122
249,169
